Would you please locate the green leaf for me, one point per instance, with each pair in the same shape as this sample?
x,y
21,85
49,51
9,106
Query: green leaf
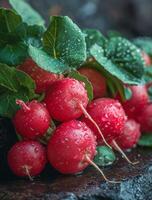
x,y
148,74
128,93
64,41
15,85
114,34
144,43
146,140
28,14
9,21
46,62
121,59
45,139
32,35
15,37
13,54
92,37
76,75
105,156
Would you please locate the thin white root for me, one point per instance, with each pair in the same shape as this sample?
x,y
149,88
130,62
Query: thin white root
x,y
28,173
123,154
90,118
99,170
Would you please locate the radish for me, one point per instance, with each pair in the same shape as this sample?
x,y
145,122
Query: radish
x,y
110,117
138,100
72,148
147,59
145,118
42,78
32,120
67,100
97,80
130,136
69,147
64,98
27,158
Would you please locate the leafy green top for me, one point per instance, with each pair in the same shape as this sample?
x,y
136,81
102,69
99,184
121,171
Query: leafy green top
x,y
64,46
144,43
28,14
120,58
14,84
60,48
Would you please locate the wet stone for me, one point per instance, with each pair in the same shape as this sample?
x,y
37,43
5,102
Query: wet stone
x,y
135,183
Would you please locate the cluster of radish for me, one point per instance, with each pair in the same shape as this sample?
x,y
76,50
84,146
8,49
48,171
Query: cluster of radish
x,y
80,125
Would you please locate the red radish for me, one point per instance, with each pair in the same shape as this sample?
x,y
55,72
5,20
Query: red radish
x,y
72,148
67,100
145,118
138,100
110,117
69,147
64,98
97,80
130,136
147,59
27,158
42,78
32,120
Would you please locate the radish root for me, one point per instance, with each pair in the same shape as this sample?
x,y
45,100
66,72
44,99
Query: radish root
x,y
123,154
90,118
99,170
28,173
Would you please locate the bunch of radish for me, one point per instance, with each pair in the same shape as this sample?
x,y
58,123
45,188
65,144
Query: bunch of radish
x,y
73,96
81,126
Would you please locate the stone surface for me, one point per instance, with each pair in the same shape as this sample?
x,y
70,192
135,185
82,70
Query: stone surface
x,y
135,183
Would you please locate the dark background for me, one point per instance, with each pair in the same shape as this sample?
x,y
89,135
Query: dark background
x,y
130,17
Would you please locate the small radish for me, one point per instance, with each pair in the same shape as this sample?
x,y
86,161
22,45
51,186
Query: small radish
x,y
97,80
67,100
147,59
72,148
130,136
110,117
138,100
145,118
64,98
27,158
42,78
69,147
32,120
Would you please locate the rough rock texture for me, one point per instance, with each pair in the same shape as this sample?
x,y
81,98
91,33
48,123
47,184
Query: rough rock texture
x,y
135,183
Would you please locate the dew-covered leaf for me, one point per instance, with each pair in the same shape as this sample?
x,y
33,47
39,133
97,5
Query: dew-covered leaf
x,y
144,43
63,40
46,62
146,140
14,84
93,36
105,156
28,14
88,86
120,58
